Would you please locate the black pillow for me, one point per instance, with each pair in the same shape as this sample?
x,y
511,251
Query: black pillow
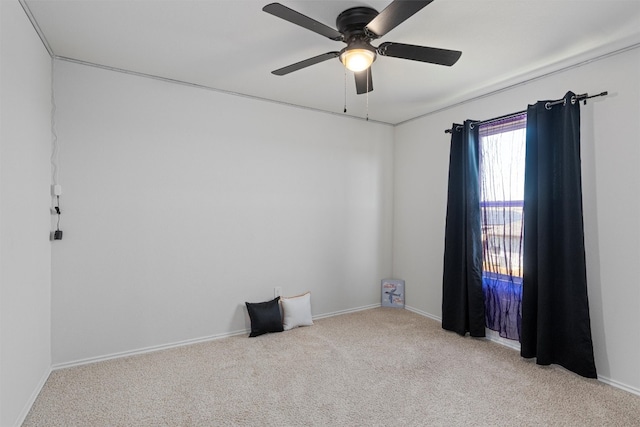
x,y
265,317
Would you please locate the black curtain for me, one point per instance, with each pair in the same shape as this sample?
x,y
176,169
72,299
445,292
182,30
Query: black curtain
x,y
462,296
555,309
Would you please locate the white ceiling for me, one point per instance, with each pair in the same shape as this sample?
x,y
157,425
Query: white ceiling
x,y
232,45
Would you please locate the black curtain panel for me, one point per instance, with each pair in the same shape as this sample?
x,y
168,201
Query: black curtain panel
x,y
555,309
462,296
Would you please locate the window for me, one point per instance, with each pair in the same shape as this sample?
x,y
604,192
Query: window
x,y
502,164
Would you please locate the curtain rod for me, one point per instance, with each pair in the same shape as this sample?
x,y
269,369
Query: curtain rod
x,y
548,105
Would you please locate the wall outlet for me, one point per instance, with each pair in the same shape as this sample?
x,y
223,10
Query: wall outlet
x,y
277,291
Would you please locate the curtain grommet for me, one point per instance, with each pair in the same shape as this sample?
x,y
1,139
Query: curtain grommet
x,y
547,106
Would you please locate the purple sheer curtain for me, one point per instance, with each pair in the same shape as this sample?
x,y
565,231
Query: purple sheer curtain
x,y
502,157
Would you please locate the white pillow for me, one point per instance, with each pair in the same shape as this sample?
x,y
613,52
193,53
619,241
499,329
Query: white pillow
x,y
296,311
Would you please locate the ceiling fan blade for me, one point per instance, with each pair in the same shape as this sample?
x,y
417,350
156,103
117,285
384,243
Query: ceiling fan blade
x,y
419,53
276,9
364,83
394,14
306,63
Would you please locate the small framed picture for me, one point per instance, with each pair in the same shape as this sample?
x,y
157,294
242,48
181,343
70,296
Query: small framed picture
x,y
393,293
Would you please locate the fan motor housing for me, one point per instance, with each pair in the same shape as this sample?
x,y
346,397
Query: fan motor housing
x,y
352,21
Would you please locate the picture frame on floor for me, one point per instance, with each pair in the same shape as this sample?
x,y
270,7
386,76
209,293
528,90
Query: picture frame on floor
x,y
392,293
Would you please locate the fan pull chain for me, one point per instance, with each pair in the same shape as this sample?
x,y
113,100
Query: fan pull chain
x,y
367,95
345,89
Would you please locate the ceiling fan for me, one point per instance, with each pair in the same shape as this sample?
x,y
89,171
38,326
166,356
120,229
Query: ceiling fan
x,y
357,27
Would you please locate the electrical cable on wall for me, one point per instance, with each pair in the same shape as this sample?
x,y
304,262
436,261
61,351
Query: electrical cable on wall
x,y
56,188
54,134
57,235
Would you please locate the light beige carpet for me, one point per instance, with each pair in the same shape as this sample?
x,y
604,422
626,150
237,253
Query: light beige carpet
x,y
379,367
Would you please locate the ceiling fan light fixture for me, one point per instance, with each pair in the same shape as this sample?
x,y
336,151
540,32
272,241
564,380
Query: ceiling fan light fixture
x,y
357,59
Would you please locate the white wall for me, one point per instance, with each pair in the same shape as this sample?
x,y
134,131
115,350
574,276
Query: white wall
x,y
25,250
611,178
180,204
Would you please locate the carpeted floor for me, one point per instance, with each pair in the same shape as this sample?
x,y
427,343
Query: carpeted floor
x,y
379,367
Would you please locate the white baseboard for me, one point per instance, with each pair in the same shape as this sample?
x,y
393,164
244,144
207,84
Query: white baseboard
x,y
350,310
619,385
34,395
144,350
495,337
423,313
